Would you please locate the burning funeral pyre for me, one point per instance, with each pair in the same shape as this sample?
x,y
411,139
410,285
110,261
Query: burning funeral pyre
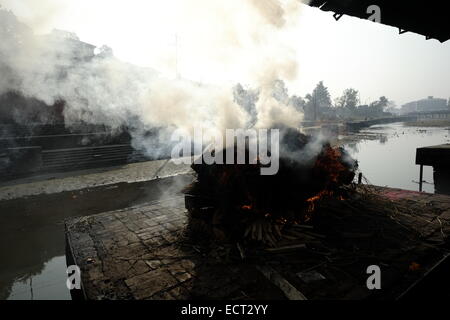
x,y
235,203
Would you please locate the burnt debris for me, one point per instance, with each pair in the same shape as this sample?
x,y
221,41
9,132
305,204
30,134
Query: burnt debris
x,y
233,202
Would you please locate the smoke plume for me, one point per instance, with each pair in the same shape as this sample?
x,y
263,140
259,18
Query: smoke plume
x,y
100,89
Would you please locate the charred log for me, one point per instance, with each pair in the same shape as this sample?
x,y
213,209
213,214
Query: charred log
x,y
234,201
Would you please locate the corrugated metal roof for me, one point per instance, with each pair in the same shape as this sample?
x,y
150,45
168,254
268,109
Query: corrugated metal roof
x,y
429,18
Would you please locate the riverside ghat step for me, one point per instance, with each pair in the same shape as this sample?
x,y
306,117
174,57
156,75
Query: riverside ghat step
x,y
141,253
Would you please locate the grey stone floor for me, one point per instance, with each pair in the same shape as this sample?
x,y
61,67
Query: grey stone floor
x,y
141,252
134,253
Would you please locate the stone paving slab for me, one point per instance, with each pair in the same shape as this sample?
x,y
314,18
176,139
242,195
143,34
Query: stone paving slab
x,y
135,253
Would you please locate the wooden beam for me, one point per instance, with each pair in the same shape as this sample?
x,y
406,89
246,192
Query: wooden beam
x,y
277,279
421,178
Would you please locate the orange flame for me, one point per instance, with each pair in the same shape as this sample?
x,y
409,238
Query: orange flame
x,y
331,163
313,200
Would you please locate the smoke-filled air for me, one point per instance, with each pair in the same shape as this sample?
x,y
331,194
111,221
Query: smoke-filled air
x,y
96,87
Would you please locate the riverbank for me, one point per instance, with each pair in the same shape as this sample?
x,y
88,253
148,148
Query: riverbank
x,y
429,123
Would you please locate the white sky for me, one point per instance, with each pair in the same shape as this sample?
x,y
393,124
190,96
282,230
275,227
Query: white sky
x,y
370,57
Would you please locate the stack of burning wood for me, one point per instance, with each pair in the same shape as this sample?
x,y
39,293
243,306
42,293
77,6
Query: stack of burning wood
x,y
236,203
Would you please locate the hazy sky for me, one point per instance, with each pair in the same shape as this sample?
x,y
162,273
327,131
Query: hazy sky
x,y
370,57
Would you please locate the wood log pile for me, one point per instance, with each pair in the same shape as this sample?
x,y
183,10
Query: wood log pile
x,y
236,203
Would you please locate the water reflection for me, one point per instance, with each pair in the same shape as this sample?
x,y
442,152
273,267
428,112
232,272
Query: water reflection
x,y
391,161
47,285
383,139
32,246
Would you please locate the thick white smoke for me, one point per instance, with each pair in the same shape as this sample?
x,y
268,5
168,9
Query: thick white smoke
x,y
243,35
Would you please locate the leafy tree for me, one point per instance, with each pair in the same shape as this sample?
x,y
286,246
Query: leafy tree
x,y
105,52
247,99
321,96
374,109
297,102
348,100
379,105
309,108
280,92
316,102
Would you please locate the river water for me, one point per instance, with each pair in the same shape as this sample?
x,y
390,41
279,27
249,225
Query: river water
x,y
390,160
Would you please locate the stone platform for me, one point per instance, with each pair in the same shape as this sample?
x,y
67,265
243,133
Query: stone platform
x,y
134,254
137,253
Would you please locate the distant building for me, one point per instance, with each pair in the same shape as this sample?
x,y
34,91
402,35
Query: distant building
x,y
66,47
425,105
61,50
441,114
